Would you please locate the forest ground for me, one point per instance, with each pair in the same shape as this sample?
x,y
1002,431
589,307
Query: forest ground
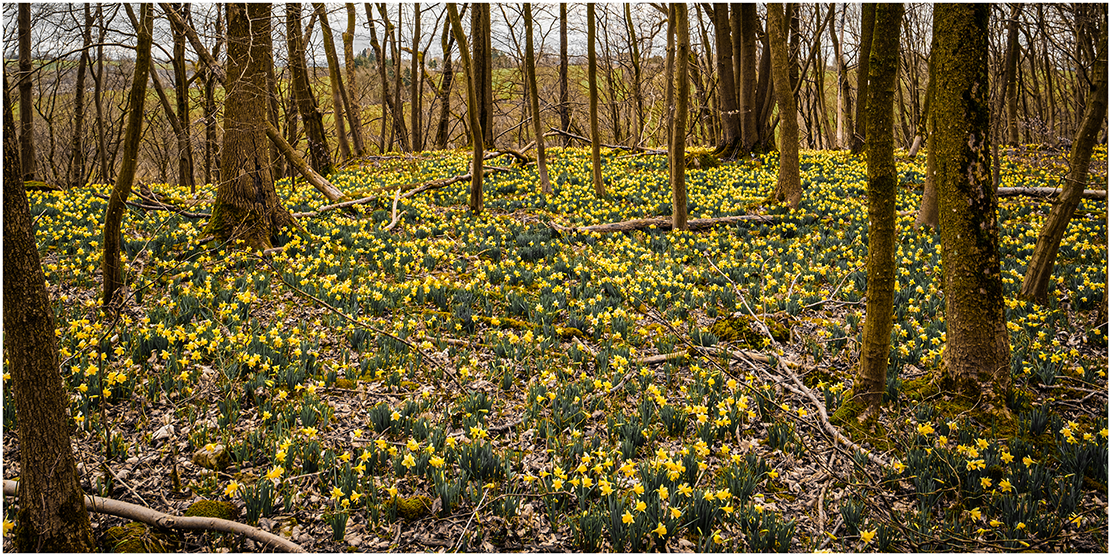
x,y
548,390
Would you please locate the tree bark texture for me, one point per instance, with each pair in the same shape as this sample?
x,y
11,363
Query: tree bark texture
x,y
51,515
320,156
592,80
113,216
447,76
677,156
1035,284
26,109
247,206
746,78
482,65
977,355
787,185
883,181
472,109
75,175
1010,73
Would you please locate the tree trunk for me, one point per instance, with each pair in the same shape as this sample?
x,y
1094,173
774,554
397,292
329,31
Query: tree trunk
x,y
181,89
26,109
320,155
677,156
1010,63
727,83
669,80
350,104
564,98
927,211
414,82
472,109
977,360
447,41
51,515
113,216
211,147
98,101
638,94
247,206
482,60
380,58
1035,284
883,181
75,174
334,78
534,99
746,79
592,80
787,186
867,25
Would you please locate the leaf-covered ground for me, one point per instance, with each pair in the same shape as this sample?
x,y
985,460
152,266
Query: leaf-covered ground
x,y
489,384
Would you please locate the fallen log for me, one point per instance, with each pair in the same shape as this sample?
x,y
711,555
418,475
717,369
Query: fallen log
x,y
661,222
1100,194
156,518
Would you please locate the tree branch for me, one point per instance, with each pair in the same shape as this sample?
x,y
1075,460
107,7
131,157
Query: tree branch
x,y
156,518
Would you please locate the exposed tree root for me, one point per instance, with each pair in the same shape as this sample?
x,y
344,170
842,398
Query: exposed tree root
x,y
155,518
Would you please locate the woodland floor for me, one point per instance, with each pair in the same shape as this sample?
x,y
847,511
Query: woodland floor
x,y
522,400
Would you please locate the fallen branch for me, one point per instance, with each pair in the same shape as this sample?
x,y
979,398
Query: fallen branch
x,y
393,222
661,222
155,518
316,180
1100,194
327,208
558,132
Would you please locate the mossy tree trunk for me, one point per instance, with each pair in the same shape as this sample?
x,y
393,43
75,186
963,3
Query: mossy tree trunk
x,y
247,207
867,26
1035,284
976,359
534,100
592,80
51,516
320,156
679,125
113,215
883,180
787,185
472,109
